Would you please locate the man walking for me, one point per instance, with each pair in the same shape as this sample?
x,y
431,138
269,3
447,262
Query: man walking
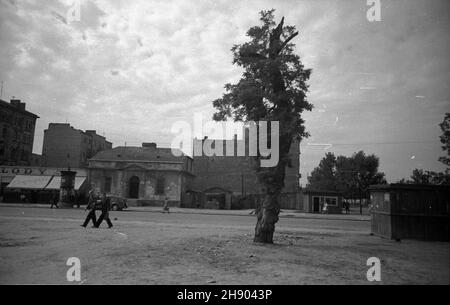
x,y
90,206
106,206
54,200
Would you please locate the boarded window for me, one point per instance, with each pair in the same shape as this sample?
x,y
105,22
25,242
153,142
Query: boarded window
x,y
160,185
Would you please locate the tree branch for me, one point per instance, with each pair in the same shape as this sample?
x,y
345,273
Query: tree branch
x,y
279,28
287,41
252,55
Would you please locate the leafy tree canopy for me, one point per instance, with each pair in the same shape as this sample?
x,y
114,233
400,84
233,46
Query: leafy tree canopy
x,y
350,175
273,85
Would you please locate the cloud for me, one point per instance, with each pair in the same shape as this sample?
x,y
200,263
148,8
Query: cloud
x,y
132,68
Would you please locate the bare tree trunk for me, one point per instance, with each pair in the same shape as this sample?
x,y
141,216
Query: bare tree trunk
x,y
273,180
267,216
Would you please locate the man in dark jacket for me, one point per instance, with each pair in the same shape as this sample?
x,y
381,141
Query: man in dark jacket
x,y
54,200
106,206
90,206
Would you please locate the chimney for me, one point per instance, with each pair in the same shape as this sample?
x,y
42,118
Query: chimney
x,y
149,145
16,103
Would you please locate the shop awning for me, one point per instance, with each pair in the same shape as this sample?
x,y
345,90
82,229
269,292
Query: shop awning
x,y
29,182
55,184
6,179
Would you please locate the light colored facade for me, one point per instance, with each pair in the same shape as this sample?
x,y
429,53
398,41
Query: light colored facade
x,y
145,175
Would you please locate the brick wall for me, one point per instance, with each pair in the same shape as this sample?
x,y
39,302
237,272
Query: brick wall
x,y
62,139
237,173
59,141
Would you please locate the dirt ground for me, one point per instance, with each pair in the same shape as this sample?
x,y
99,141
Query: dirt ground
x,y
176,250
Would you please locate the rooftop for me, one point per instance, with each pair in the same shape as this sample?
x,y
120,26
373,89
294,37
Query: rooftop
x,y
127,153
17,105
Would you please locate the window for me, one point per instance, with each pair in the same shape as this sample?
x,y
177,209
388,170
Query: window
x,y
331,201
160,182
25,155
108,181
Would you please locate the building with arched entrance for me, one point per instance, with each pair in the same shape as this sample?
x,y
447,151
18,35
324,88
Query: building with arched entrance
x,y
133,187
144,175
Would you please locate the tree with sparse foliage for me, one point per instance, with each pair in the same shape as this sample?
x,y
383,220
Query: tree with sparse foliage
x,y
272,88
420,176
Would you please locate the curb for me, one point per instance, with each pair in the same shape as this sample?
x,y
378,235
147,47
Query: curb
x,y
248,215
130,209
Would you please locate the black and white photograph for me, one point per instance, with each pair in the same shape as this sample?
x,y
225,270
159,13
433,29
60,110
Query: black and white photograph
x,y
224,148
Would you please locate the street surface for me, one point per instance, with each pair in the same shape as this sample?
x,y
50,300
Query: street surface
x,y
149,247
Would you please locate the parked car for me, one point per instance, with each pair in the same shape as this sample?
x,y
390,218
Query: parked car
x,y
118,203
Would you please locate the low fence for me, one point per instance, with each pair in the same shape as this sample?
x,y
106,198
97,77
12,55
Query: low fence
x,y
288,201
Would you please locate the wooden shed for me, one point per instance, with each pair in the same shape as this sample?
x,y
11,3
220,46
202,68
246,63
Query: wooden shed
x,y
411,211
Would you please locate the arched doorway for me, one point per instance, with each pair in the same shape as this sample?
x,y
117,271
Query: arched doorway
x,y
133,187
218,198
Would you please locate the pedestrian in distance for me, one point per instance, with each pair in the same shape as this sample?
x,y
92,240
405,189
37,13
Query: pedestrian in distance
x,y
166,205
23,198
347,207
106,207
91,207
54,200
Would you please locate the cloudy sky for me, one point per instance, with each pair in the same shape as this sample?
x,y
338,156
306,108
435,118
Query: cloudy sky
x,y
129,69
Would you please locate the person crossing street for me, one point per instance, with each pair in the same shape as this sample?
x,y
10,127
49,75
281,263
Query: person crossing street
x,y
106,207
91,207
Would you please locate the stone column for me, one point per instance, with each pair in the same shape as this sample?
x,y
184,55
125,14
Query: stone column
x,y
67,187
